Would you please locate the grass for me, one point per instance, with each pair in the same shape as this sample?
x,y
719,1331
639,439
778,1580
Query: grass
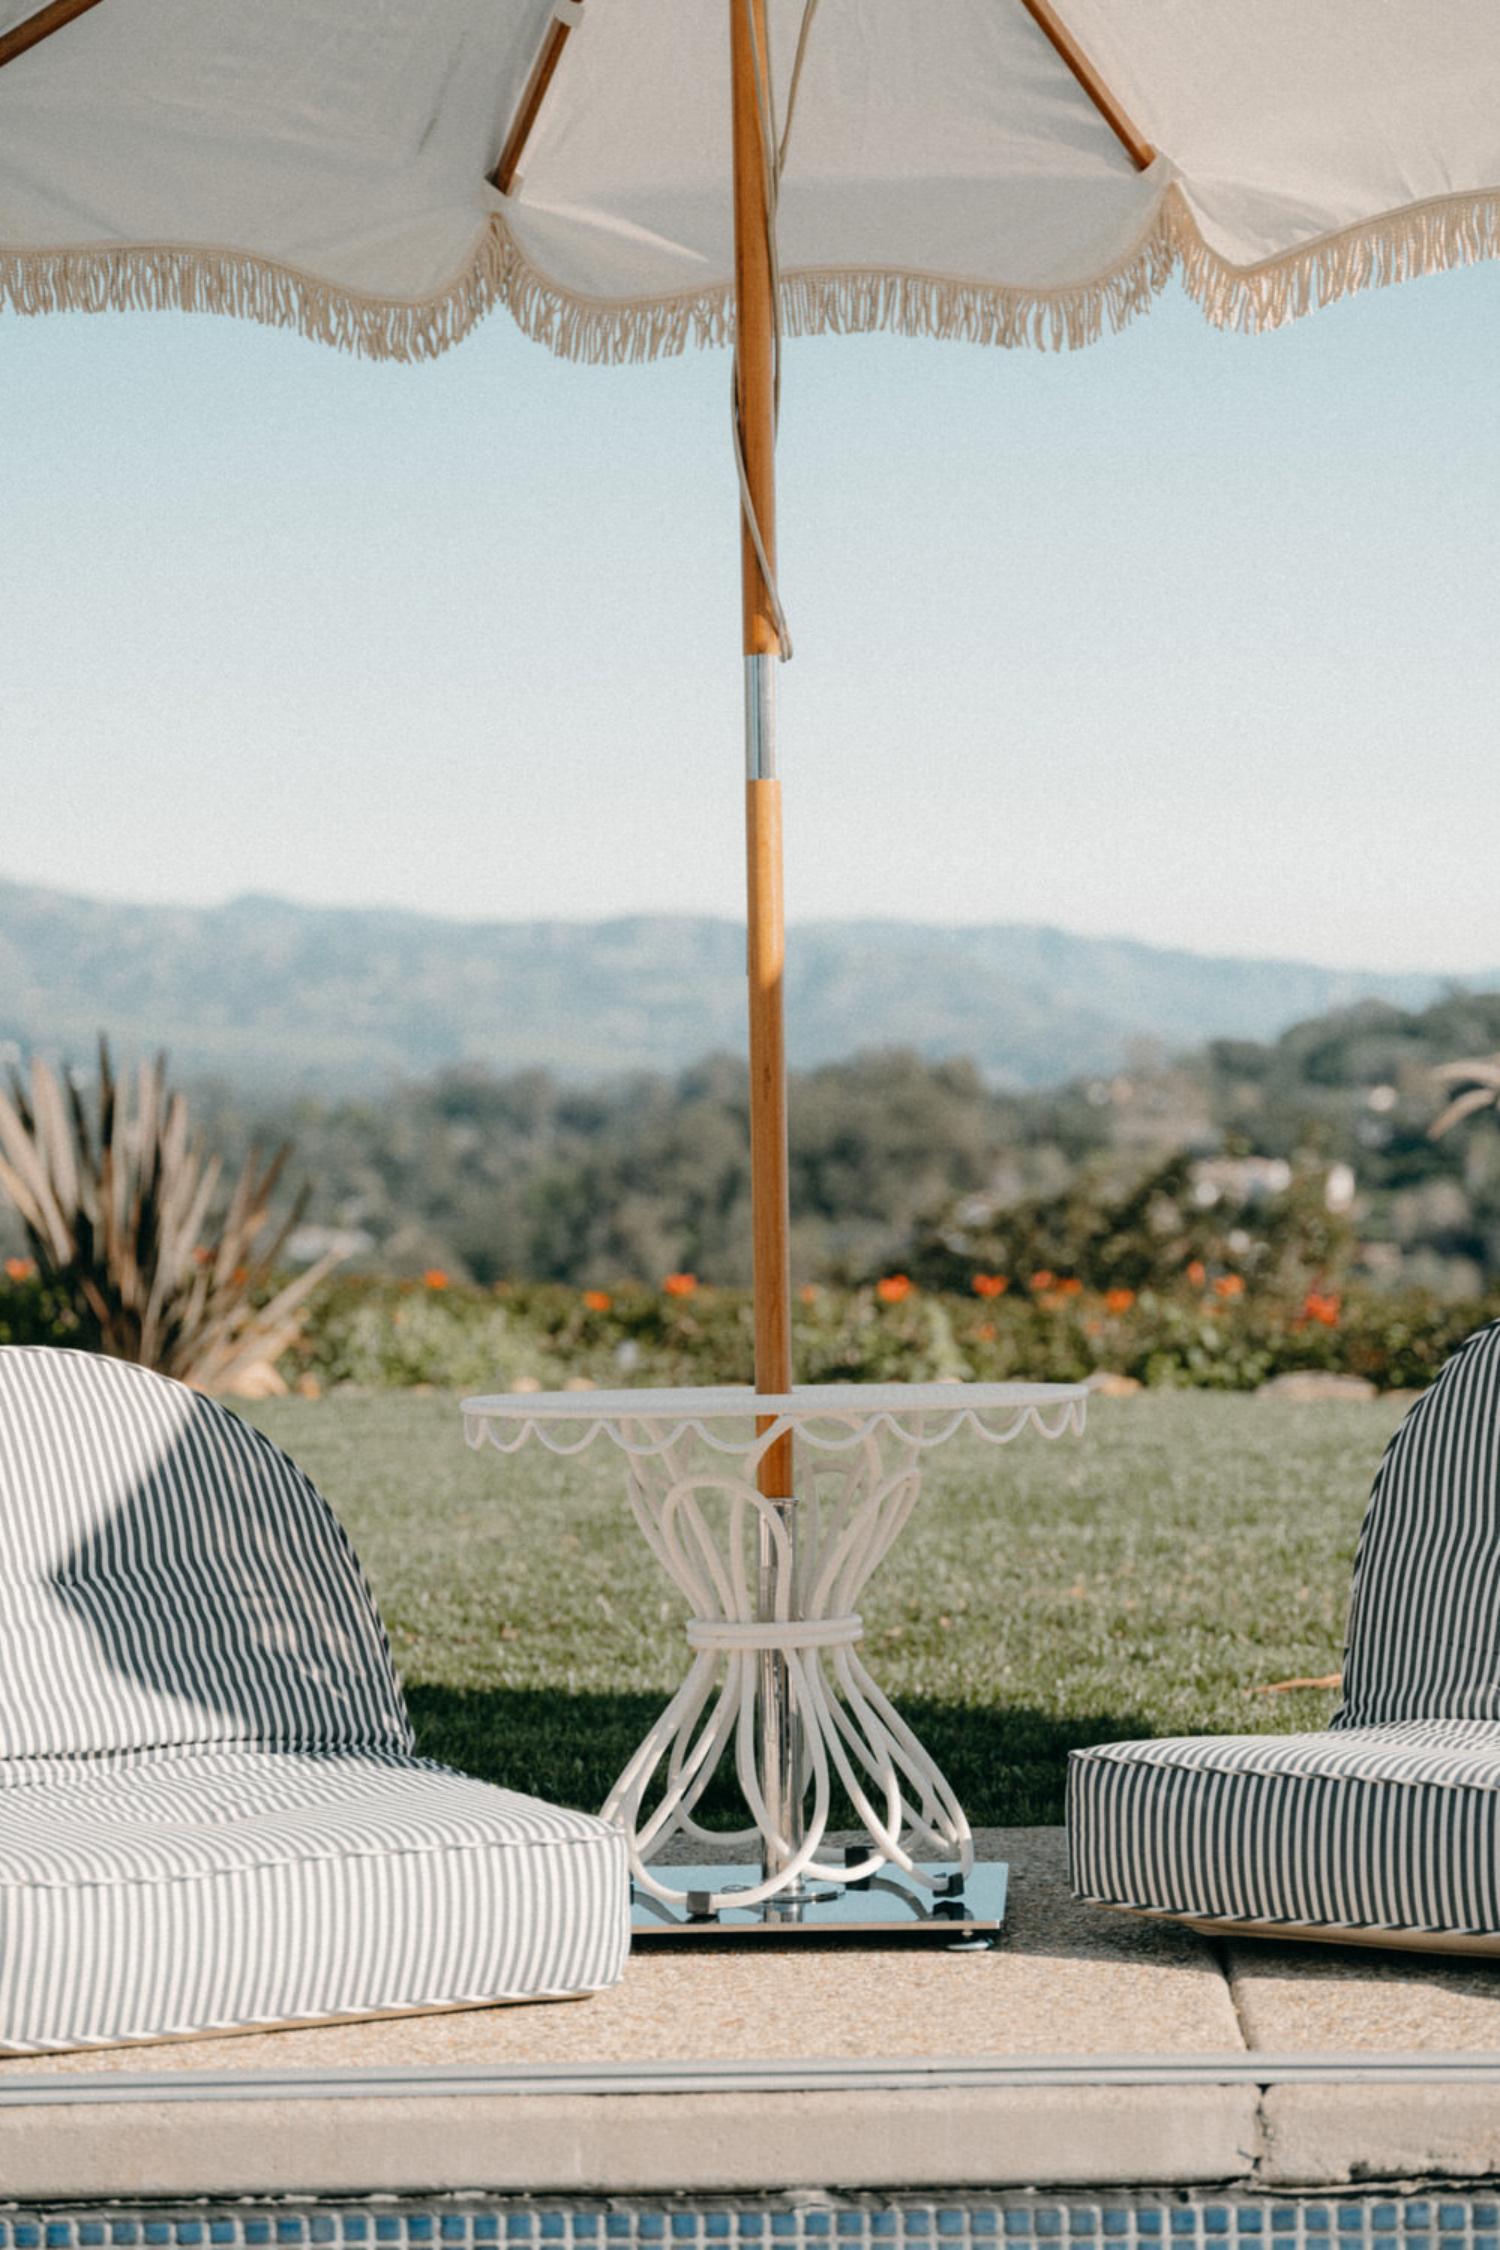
x,y
1146,1579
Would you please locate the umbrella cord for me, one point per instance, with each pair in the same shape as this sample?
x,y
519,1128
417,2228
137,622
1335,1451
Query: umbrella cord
x,y
773,159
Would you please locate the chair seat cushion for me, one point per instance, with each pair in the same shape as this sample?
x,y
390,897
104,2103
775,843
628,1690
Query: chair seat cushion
x,y
142,1897
1382,1828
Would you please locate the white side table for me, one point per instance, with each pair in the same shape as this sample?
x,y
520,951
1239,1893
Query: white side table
x,y
777,1678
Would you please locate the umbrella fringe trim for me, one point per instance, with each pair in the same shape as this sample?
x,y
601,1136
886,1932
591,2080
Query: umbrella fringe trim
x,y
830,301
1426,238
157,277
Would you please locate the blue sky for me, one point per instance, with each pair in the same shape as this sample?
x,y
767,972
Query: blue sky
x,y
1188,636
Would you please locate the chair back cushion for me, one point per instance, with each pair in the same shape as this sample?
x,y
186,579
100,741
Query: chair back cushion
x,y
1424,1620
168,1578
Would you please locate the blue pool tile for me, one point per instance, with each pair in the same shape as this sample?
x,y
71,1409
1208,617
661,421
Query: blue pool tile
x,y
716,2225
1485,2215
586,2226
652,2226
90,2232
684,2226
1384,2218
1416,2216
1047,2221
1451,2215
554,2225
850,2223
1017,2222
518,2226
120,2231
616,2225
452,2229
815,2223
1250,2219
918,2223
188,2232
752,2223
985,2220
1082,2219
1452,2242
783,2223
1316,2218
1216,2218
1184,2222
1116,2222
1148,2221
1485,2241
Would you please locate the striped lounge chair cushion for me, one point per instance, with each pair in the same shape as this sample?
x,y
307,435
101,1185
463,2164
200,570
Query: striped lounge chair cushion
x,y
1384,1829
1386,1824
211,1814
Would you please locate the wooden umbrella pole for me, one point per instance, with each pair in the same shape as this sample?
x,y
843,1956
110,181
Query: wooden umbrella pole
x,y
755,346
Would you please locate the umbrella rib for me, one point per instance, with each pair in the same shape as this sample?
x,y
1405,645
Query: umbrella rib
x,y
35,29
1125,130
523,124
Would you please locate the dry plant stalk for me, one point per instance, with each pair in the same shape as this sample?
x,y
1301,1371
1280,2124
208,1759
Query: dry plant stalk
x,y
119,1213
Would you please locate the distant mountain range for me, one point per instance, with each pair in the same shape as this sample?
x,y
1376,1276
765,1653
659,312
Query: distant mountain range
x,y
279,997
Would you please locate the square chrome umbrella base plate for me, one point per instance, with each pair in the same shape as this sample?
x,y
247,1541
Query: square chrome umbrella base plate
x,y
889,1909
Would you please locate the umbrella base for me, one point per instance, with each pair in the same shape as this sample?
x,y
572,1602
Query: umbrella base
x,y
888,1909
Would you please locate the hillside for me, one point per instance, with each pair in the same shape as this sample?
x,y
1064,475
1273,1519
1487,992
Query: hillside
x,y
287,998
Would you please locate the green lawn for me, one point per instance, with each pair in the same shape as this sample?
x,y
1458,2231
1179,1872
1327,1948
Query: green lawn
x,y
1142,1580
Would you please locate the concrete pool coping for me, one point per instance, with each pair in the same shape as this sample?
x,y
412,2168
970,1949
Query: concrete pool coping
x,y
1091,2050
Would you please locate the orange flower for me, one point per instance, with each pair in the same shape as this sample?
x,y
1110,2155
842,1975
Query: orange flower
x,y
1322,1306
435,1278
1230,1285
597,1300
1041,1281
19,1269
1069,1288
893,1288
986,1332
1197,1273
989,1285
1118,1300
681,1285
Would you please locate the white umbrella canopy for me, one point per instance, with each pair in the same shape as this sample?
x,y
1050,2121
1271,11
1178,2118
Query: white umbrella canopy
x,y
326,163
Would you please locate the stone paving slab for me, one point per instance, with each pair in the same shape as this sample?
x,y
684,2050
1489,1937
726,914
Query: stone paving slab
x,y
1349,1998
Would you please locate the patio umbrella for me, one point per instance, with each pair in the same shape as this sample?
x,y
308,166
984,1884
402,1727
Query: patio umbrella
x,y
652,174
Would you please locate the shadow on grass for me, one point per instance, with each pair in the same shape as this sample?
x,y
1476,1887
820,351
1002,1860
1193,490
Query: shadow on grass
x,y
1007,1765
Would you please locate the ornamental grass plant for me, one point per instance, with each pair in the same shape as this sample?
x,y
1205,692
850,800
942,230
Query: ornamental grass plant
x,y
137,1244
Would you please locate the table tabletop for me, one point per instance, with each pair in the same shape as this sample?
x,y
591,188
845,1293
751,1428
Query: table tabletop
x,y
832,1413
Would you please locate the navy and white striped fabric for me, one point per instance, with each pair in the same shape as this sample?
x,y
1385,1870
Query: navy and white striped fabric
x,y
1389,1822
211,1815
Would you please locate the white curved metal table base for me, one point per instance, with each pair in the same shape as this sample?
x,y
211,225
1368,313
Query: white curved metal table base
x,y
777,1681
